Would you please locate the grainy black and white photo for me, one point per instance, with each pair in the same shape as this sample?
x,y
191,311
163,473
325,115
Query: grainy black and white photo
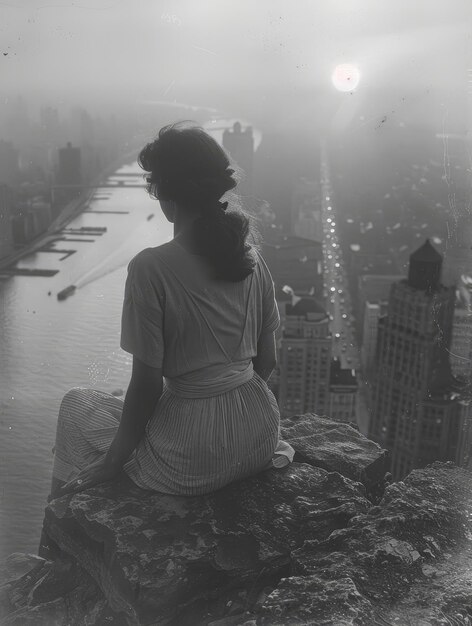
x,y
236,313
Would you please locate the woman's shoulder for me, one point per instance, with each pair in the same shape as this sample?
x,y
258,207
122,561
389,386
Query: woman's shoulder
x,y
261,263
149,265
151,257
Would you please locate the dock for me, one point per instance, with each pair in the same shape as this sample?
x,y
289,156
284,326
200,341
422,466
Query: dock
x,y
94,233
24,271
111,212
71,239
66,253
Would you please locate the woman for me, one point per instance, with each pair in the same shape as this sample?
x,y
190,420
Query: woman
x,y
199,317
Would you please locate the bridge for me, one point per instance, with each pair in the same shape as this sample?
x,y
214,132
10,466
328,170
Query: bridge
x,y
113,184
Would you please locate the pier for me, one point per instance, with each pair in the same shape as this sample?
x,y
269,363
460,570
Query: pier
x,y
112,212
71,239
84,230
66,253
120,184
24,271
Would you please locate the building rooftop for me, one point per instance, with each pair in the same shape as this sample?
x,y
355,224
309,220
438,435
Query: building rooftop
x,y
343,377
376,287
307,306
281,295
443,383
424,272
426,253
278,239
464,292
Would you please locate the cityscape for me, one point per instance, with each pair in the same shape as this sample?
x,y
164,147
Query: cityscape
x,y
387,352
381,340
187,499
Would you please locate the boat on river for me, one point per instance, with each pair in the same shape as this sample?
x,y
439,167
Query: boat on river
x,y
150,216
65,293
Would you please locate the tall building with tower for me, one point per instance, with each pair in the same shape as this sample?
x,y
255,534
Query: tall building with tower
x,y
9,164
6,232
418,408
69,173
373,311
343,389
304,359
461,344
458,258
294,261
240,145
50,134
305,210
70,167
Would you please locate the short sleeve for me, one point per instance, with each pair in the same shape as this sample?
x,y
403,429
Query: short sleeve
x,y
142,315
270,310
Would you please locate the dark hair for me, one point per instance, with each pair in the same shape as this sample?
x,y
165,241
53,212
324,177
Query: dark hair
x,y
187,165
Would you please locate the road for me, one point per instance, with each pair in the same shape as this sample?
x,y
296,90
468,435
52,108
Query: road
x,y
337,295
335,280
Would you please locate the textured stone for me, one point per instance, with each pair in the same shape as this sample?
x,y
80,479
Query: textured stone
x,y
317,601
154,555
50,594
444,596
336,447
300,545
418,522
17,565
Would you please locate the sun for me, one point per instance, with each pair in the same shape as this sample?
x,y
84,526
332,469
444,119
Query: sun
x,y
346,77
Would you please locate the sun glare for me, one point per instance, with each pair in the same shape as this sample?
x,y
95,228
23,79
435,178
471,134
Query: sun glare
x,y
346,77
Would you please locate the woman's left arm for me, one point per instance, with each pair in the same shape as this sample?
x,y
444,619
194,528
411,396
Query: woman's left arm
x,y
143,393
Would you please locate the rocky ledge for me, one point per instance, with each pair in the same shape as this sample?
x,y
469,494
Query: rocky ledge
x,y
323,541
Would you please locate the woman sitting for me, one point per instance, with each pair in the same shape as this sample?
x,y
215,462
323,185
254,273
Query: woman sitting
x,y
199,317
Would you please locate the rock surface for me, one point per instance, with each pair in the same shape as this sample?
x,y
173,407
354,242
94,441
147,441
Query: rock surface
x,y
37,592
154,556
389,552
302,545
336,447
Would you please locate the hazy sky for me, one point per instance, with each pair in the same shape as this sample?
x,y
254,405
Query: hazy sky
x,y
217,52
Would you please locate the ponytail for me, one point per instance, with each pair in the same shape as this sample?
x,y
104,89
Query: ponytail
x,y
221,235
188,166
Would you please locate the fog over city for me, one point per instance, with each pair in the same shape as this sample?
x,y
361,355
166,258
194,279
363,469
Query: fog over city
x,y
350,122
269,61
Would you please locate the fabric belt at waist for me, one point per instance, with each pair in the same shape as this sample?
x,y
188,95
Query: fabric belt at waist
x,y
210,381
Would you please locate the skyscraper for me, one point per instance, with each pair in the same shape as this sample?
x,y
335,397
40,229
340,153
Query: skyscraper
x,y
6,232
240,145
50,134
417,407
373,311
304,359
373,289
342,393
9,164
294,261
458,258
306,210
70,172
461,345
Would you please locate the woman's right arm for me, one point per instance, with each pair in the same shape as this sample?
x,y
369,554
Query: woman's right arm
x,y
265,361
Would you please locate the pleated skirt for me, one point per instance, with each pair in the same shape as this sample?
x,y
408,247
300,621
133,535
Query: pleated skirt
x,y
190,446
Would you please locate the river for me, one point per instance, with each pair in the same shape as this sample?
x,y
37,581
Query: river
x,y
48,346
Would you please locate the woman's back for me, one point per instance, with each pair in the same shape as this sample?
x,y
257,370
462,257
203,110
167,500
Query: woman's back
x,y
179,317
198,413
217,419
